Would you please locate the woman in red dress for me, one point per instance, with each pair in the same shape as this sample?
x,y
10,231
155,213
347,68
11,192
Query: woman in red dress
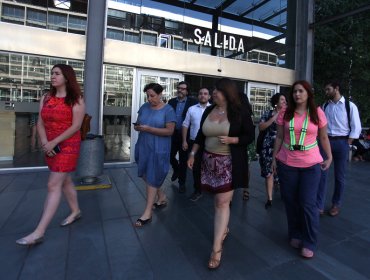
x,y
62,111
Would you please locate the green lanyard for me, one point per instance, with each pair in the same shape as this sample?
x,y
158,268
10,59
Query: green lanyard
x,y
293,145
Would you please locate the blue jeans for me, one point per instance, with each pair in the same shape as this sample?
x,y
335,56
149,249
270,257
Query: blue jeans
x,y
340,151
299,191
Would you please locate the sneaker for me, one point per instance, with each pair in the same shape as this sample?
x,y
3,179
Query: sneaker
x,y
195,196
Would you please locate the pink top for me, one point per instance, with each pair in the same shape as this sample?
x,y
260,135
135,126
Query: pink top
x,y
300,158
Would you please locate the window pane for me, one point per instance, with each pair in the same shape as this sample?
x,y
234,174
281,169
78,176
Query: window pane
x,y
57,22
36,18
149,39
77,23
132,37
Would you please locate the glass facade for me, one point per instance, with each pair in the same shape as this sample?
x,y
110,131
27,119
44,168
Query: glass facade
x,y
24,76
42,16
257,46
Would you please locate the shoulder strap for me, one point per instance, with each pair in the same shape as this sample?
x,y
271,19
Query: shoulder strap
x,y
325,105
348,109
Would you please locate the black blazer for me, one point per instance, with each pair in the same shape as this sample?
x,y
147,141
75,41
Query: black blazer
x,y
189,102
243,129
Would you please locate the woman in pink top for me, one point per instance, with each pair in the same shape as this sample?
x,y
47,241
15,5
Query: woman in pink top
x,y
297,159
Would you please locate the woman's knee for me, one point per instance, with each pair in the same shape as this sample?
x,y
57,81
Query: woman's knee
x,y
222,203
54,186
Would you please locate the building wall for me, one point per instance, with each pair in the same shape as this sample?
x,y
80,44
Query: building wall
x,y
24,39
186,62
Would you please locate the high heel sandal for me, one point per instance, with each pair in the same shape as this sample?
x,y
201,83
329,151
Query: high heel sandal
x,y
268,204
160,204
214,263
141,222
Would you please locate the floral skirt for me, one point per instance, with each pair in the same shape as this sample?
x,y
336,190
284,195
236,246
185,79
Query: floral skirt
x,y
216,173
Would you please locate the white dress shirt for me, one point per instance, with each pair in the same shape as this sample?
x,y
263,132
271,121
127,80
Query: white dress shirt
x,y
193,118
336,115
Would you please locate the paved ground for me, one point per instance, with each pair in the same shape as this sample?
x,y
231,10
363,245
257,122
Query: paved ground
x,y
177,244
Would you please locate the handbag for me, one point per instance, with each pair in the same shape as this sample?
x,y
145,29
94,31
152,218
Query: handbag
x,y
85,126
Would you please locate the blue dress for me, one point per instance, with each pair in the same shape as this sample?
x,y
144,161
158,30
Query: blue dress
x,y
152,152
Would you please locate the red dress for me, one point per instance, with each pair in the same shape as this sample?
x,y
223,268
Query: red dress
x,y
57,118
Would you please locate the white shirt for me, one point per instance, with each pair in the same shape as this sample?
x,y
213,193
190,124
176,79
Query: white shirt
x,y
336,115
193,118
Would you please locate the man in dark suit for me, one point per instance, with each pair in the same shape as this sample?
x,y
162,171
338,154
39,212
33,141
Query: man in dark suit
x,y
180,104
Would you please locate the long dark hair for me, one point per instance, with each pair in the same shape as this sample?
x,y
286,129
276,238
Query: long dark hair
x,y
289,114
73,89
230,91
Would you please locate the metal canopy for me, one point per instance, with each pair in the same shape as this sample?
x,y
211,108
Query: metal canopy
x,y
267,14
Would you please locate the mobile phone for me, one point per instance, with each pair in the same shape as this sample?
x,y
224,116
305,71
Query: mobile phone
x,y
57,149
136,123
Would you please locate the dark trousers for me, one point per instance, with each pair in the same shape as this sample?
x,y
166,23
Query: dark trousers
x,y
299,190
196,167
340,152
179,166
321,193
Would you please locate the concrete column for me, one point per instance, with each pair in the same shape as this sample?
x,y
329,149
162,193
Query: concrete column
x,y
93,83
304,40
290,42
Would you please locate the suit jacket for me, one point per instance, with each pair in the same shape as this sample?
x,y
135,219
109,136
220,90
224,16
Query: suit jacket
x,y
243,129
189,102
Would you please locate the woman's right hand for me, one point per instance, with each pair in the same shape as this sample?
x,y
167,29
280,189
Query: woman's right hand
x,y
191,161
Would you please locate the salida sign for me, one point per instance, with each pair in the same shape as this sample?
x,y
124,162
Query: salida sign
x,y
218,41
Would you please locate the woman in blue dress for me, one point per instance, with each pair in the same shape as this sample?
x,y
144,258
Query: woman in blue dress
x,y
155,123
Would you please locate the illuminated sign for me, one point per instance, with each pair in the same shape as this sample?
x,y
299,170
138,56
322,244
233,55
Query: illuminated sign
x,y
224,41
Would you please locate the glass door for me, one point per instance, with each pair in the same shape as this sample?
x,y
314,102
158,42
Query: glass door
x,y
259,96
168,80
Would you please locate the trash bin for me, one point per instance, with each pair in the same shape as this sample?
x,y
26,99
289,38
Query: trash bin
x,y
91,161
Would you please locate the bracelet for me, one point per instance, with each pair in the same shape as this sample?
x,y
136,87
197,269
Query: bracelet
x,y
192,153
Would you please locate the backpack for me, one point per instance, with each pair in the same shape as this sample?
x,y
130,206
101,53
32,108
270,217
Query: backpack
x,y
348,110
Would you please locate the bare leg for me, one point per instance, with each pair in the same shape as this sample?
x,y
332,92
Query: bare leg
x,y
222,215
52,201
71,196
151,193
161,195
269,186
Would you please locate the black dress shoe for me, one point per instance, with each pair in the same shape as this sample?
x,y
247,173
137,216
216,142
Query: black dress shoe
x,y
182,188
174,176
